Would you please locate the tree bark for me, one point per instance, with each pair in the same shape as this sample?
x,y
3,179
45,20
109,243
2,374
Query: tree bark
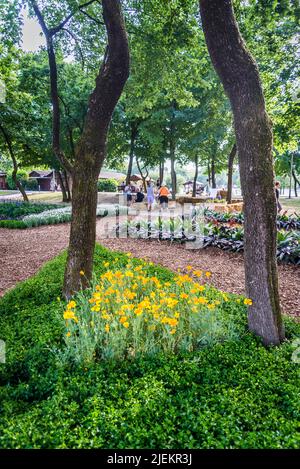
x,y
172,155
195,176
63,188
296,182
161,170
15,164
213,171
240,77
230,171
90,151
133,135
144,177
67,185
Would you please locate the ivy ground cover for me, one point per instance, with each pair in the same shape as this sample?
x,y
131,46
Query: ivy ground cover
x,y
230,392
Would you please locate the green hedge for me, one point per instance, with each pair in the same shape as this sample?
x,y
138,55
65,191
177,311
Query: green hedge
x,y
13,224
13,210
107,185
232,395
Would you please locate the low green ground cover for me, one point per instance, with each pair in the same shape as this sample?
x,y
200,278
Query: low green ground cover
x,y
233,393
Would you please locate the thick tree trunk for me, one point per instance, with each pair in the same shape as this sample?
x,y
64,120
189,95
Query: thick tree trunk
x,y
240,77
15,164
90,152
229,175
195,176
133,135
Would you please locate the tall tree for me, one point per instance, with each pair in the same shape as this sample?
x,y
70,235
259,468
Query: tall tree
x,y
240,77
90,151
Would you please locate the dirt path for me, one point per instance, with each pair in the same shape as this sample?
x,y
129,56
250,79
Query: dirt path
x,y
23,252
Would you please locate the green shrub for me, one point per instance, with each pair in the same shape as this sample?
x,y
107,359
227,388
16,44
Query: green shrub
x,y
14,210
32,185
13,224
235,394
107,185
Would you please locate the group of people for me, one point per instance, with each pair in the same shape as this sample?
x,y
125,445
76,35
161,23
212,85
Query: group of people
x,y
158,191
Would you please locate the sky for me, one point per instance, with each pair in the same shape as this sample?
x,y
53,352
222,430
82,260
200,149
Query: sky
x,y
32,38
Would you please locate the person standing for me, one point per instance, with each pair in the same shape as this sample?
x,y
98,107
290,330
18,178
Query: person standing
x,y
277,192
150,195
163,196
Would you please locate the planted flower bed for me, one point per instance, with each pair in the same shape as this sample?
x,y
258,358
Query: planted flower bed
x,y
285,222
31,215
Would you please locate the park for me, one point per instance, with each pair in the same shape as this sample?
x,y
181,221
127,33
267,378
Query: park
x,y
149,225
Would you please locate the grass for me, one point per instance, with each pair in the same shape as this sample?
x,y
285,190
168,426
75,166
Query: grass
x,y
47,197
235,394
2,193
292,204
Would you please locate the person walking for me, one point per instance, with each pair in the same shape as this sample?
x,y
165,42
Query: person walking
x,y
150,195
277,193
163,196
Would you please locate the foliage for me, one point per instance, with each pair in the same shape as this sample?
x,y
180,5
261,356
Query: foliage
x,y
31,215
107,185
15,210
13,224
236,394
128,312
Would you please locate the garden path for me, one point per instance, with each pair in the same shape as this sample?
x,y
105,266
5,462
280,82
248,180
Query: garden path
x,y
23,252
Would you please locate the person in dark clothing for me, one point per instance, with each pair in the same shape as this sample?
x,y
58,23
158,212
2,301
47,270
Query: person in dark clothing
x,y
277,192
139,196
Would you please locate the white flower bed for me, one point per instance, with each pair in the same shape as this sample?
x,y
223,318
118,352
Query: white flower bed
x,y
62,215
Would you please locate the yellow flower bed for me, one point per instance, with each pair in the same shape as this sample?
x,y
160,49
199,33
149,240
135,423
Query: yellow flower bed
x,y
128,311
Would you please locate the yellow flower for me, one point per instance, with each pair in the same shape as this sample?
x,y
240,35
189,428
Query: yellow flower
x,y
172,331
126,324
106,264
81,272
71,304
208,274
106,328
189,268
123,319
68,334
184,296
197,273
176,315
69,314
248,301
128,254
173,322
211,306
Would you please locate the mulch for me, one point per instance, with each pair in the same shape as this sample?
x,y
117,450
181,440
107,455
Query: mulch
x,y
23,252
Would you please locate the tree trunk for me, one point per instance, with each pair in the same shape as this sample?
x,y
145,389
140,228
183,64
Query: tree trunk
x,y
213,171
90,152
133,135
230,171
208,173
195,176
63,188
240,77
161,170
296,182
144,177
15,164
67,185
